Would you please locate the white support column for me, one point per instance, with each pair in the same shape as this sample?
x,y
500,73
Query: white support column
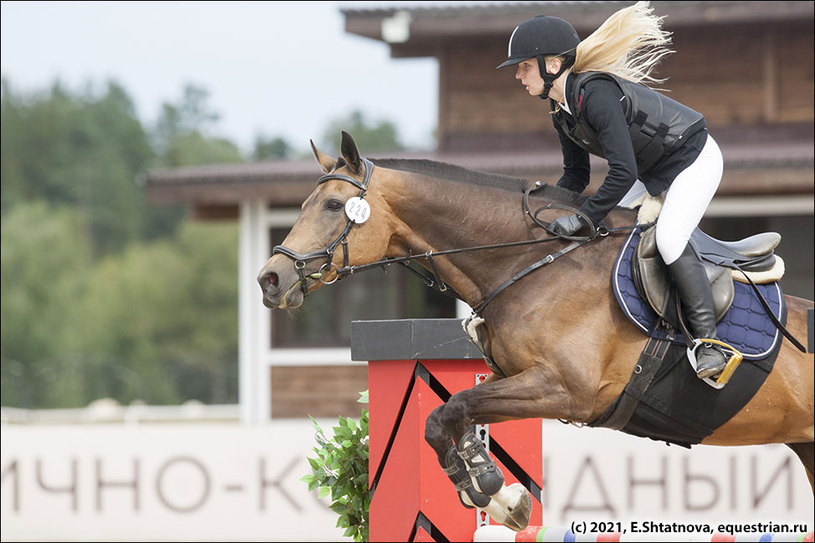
x,y
253,317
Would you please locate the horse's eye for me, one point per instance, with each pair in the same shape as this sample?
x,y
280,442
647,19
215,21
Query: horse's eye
x,y
334,205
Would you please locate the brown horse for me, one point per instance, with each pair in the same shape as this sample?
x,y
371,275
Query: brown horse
x,y
564,346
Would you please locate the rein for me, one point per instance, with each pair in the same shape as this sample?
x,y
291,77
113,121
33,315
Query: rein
x,y
436,282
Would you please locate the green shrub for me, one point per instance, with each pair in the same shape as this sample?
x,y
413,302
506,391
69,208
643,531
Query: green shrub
x,y
341,470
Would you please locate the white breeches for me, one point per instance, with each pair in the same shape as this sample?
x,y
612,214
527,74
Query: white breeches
x,y
685,201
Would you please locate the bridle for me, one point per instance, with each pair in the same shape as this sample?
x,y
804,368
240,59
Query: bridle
x,y
300,260
435,281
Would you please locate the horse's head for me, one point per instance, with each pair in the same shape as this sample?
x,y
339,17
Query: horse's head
x,y
342,222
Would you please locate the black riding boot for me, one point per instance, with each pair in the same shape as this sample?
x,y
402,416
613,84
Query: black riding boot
x,y
697,299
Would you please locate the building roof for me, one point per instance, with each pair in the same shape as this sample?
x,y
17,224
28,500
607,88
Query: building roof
x,y
759,159
413,30
755,162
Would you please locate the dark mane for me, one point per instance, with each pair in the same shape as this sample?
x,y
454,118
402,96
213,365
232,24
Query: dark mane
x,y
459,174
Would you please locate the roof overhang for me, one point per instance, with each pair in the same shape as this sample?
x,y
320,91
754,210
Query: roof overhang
x,y
751,168
417,31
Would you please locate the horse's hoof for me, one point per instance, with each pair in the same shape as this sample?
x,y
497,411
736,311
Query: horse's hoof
x,y
521,510
514,507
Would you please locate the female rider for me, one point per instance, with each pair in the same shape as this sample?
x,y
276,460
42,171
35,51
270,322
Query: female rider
x,y
600,105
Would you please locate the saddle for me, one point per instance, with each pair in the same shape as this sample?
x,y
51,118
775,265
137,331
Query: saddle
x,y
723,261
663,399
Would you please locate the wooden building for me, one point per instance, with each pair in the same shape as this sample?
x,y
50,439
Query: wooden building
x,y
747,66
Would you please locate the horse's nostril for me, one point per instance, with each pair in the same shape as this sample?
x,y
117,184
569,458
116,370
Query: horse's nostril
x,y
272,279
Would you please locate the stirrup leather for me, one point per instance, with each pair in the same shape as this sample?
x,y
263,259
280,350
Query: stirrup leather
x,y
735,358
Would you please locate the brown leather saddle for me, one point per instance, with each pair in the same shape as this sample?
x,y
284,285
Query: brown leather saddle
x,y
753,255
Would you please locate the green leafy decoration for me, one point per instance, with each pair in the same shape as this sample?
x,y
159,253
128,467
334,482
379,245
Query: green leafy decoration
x,y
340,470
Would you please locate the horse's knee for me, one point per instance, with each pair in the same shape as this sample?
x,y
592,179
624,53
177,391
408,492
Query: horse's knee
x,y
434,432
455,417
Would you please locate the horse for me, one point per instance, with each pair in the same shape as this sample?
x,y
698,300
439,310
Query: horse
x,y
563,347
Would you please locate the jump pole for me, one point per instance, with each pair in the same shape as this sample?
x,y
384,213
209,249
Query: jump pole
x,y
415,365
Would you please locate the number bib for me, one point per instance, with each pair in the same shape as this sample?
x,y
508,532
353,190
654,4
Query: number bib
x,y
357,209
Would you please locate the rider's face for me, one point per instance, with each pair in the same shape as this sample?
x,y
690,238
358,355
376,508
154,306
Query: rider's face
x,y
530,77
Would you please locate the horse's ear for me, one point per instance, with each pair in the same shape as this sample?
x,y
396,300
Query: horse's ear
x,y
327,163
349,151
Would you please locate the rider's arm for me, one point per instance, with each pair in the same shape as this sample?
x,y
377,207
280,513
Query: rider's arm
x,y
576,168
603,110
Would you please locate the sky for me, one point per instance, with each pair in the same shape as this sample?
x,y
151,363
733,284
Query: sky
x,y
276,69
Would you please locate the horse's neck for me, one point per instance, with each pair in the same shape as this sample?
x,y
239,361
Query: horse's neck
x,y
441,215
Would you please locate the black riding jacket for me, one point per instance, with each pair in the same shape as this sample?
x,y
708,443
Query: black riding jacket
x,y
668,137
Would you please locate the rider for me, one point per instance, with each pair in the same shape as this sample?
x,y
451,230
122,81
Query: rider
x,y
600,105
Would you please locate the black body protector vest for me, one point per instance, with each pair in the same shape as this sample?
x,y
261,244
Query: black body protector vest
x,y
657,124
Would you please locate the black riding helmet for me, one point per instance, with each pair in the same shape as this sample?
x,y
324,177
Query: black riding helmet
x,y
540,37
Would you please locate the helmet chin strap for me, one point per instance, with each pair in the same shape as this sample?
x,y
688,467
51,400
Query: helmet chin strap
x,y
549,79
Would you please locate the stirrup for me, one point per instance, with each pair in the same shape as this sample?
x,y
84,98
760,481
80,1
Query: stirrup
x,y
735,358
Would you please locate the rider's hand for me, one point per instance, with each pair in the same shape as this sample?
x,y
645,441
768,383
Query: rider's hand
x,y
566,226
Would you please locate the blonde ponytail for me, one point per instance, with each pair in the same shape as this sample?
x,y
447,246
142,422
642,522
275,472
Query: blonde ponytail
x,y
630,43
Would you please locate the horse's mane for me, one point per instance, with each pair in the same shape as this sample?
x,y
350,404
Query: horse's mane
x,y
459,174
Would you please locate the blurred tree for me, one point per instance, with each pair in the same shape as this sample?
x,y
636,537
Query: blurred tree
x,y
192,114
172,307
157,322
195,149
103,295
182,133
46,270
82,151
271,149
182,138
378,136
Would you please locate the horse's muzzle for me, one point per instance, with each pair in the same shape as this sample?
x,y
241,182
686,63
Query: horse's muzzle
x,y
280,284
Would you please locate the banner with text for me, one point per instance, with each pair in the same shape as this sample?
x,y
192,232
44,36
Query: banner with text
x,y
209,482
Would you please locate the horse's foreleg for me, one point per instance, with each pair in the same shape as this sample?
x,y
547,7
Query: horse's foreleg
x,y
477,474
451,463
471,470
526,395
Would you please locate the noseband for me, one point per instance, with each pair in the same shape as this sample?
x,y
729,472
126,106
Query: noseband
x,y
300,260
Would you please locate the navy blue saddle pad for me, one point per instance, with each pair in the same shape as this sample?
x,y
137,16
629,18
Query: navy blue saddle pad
x,y
746,325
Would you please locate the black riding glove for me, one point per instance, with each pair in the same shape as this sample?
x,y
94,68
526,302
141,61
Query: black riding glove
x,y
566,226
